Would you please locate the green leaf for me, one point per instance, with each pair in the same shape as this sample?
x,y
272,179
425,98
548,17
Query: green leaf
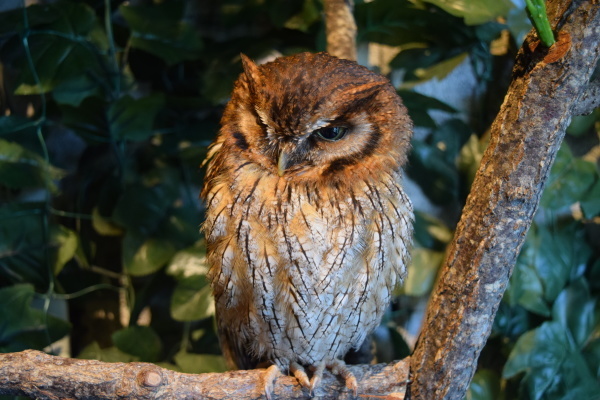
x,y
63,243
484,386
470,157
582,124
441,69
74,91
475,11
109,354
159,29
140,341
145,256
23,327
526,287
21,168
574,310
200,363
192,299
571,179
22,244
64,43
590,202
105,226
306,18
422,271
431,232
553,366
188,262
555,253
133,118
16,123
418,104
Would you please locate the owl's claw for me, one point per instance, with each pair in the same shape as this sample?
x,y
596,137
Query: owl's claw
x,y
338,367
300,374
268,378
317,376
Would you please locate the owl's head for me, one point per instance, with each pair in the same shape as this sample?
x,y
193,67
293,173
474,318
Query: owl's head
x,y
314,117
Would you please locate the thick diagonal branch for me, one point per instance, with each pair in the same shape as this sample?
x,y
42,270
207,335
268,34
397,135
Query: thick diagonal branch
x,y
526,135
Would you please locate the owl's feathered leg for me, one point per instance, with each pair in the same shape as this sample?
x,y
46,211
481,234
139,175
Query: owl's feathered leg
x,y
339,367
268,378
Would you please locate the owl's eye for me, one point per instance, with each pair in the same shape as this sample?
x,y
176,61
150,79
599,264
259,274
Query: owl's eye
x,y
332,133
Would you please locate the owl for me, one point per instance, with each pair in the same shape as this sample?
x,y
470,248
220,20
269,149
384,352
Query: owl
x,y
308,227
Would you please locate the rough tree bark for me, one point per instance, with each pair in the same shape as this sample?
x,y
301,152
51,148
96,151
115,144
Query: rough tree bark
x,y
549,87
340,28
545,92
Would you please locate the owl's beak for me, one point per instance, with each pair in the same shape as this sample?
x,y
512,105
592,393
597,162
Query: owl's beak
x,y
282,164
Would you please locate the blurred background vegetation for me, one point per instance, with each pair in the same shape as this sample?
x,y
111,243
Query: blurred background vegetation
x,y
107,107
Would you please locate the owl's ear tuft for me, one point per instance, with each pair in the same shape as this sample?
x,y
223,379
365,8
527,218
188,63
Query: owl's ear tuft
x,y
253,74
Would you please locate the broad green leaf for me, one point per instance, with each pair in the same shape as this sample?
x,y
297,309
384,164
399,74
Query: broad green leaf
x,y
133,119
22,244
511,322
525,287
74,91
484,386
201,363
145,256
16,123
22,168
475,11
431,232
109,354
555,254
306,18
441,69
418,104
189,262
574,309
422,271
159,29
140,341
590,202
63,243
553,366
571,179
192,299
581,124
23,327
65,42
470,157
105,226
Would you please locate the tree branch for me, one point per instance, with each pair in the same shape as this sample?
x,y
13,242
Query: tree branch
x,y
41,376
340,28
546,87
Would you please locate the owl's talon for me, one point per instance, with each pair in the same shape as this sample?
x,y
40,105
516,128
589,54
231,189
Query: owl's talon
x,y
315,381
338,367
300,374
268,378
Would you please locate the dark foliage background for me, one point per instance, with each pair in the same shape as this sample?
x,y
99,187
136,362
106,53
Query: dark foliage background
x,y
107,109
